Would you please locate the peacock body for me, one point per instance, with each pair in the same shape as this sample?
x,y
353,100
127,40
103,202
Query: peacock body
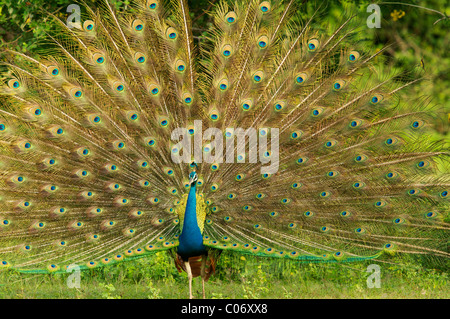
x,y
126,139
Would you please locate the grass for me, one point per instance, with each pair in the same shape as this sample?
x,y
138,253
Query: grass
x,y
248,278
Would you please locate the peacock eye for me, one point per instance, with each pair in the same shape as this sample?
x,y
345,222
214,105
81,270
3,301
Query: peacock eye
x,y
231,17
153,5
353,56
313,44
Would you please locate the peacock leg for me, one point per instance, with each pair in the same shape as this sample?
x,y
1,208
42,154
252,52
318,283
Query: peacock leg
x,y
189,272
203,273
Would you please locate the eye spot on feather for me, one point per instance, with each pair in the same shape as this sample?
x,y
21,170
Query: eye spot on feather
x,y
154,89
377,98
138,25
324,229
88,25
360,158
120,87
214,115
258,76
265,6
330,144
100,60
53,70
247,104
353,56
78,94
263,41
171,33
325,194
187,98
416,124
296,135
431,215
423,164
150,142
273,214
332,173
380,203
391,141
359,185
152,5
355,123
223,85
308,214
231,196
14,84
227,50
300,78
279,106
230,17
313,44
260,196
345,214
338,85
296,185
317,112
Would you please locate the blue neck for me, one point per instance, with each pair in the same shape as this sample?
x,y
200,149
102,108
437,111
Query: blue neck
x,y
190,215
191,239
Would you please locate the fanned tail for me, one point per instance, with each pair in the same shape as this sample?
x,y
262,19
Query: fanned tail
x,y
323,156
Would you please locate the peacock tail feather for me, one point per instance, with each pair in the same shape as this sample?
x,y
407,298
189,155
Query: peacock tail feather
x,y
86,134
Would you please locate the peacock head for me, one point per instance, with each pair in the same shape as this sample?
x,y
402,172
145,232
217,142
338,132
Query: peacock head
x,y
193,176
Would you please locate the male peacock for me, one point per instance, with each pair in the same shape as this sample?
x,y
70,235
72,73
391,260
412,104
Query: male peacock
x,y
96,167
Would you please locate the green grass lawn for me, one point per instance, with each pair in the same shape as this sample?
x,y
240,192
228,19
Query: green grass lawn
x,y
236,277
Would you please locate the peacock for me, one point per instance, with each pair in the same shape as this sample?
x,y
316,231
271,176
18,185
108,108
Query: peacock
x,y
272,137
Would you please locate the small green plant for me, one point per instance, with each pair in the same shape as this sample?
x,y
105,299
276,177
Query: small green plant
x,y
109,292
155,293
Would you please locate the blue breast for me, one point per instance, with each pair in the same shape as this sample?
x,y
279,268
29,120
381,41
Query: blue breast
x,y
191,239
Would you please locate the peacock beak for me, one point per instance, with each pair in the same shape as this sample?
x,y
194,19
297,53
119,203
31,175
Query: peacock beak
x,y
191,180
